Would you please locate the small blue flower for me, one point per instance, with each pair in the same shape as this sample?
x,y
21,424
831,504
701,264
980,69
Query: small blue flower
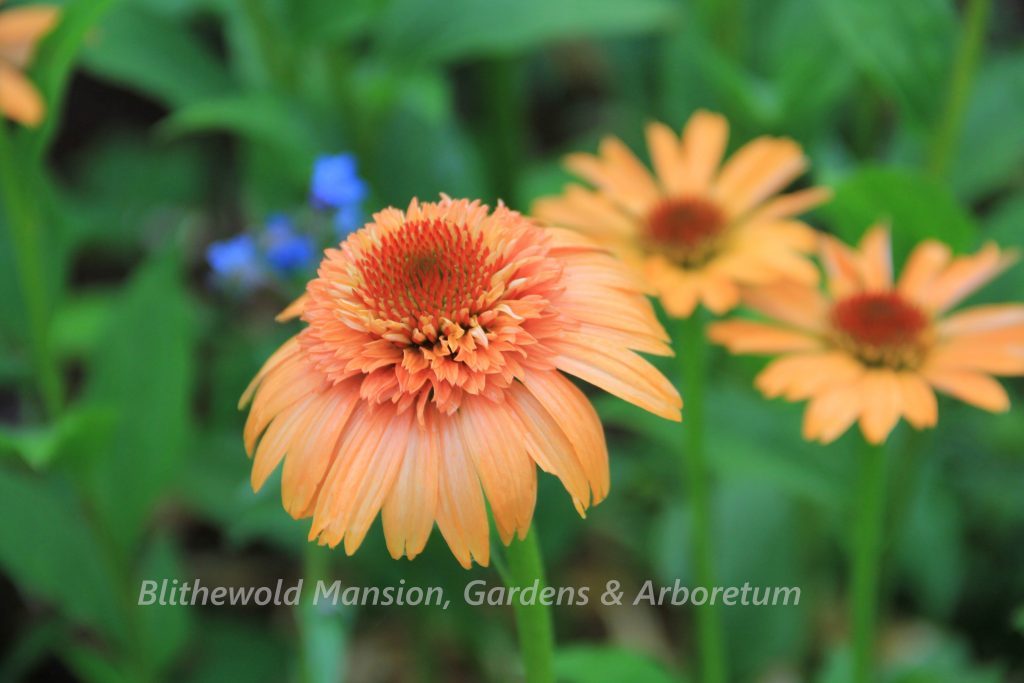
x,y
287,250
335,182
236,261
347,220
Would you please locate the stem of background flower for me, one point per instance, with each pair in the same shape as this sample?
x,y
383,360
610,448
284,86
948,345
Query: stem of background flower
x,y
692,350
965,63
866,558
321,632
533,622
502,89
24,226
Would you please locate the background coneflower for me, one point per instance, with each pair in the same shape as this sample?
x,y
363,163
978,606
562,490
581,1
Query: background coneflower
x,y
697,229
873,350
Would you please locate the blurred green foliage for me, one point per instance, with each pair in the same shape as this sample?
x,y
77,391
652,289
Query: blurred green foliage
x,y
177,122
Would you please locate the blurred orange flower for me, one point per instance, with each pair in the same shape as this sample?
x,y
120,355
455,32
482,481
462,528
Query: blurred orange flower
x,y
429,369
20,29
873,350
697,229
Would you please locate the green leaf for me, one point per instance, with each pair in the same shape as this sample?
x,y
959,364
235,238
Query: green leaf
x,y
263,119
592,664
917,207
903,46
82,429
163,630
155,55
51,553
143,371
416,31
991,149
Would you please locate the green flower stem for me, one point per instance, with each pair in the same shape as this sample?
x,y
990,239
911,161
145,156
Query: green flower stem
x,y
533,622
24,226
692,350
965,64
866,559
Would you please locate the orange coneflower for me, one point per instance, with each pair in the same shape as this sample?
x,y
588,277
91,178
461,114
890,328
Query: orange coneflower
x,y
696,229
429,369
20,29
873,350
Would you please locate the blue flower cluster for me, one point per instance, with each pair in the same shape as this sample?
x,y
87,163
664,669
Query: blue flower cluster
x,y
247,261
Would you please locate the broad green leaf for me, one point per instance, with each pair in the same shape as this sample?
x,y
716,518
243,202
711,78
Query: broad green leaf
x,y
260,119
467,29
51,553
592,664
917,207
991,149
155,55
143,370
163,630
80,430
903,46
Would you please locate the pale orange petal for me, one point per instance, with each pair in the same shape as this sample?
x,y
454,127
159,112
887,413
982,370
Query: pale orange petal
x,y
918,400
756,171
509,476
704,140
461,513
549,446
362,475
982,319
831,413
293,310
876,259
791,204
314,448
965,275
666,157
624,374
409,510
21,28
747,336
800,306
19,99
882,404
842,269
799,376
580,423
970,387
923,265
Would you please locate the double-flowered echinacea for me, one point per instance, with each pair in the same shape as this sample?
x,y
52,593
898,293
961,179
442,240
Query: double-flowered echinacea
x,y
429,377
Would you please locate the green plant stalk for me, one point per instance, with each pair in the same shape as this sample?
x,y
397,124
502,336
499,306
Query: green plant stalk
x,y
533,621
965,64
692,350
318,632
866,558
504,133
25,229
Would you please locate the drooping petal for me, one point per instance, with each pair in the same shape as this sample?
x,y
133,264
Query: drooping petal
x,y
409,510
461,514
508,474
624,374
831,413
579,421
